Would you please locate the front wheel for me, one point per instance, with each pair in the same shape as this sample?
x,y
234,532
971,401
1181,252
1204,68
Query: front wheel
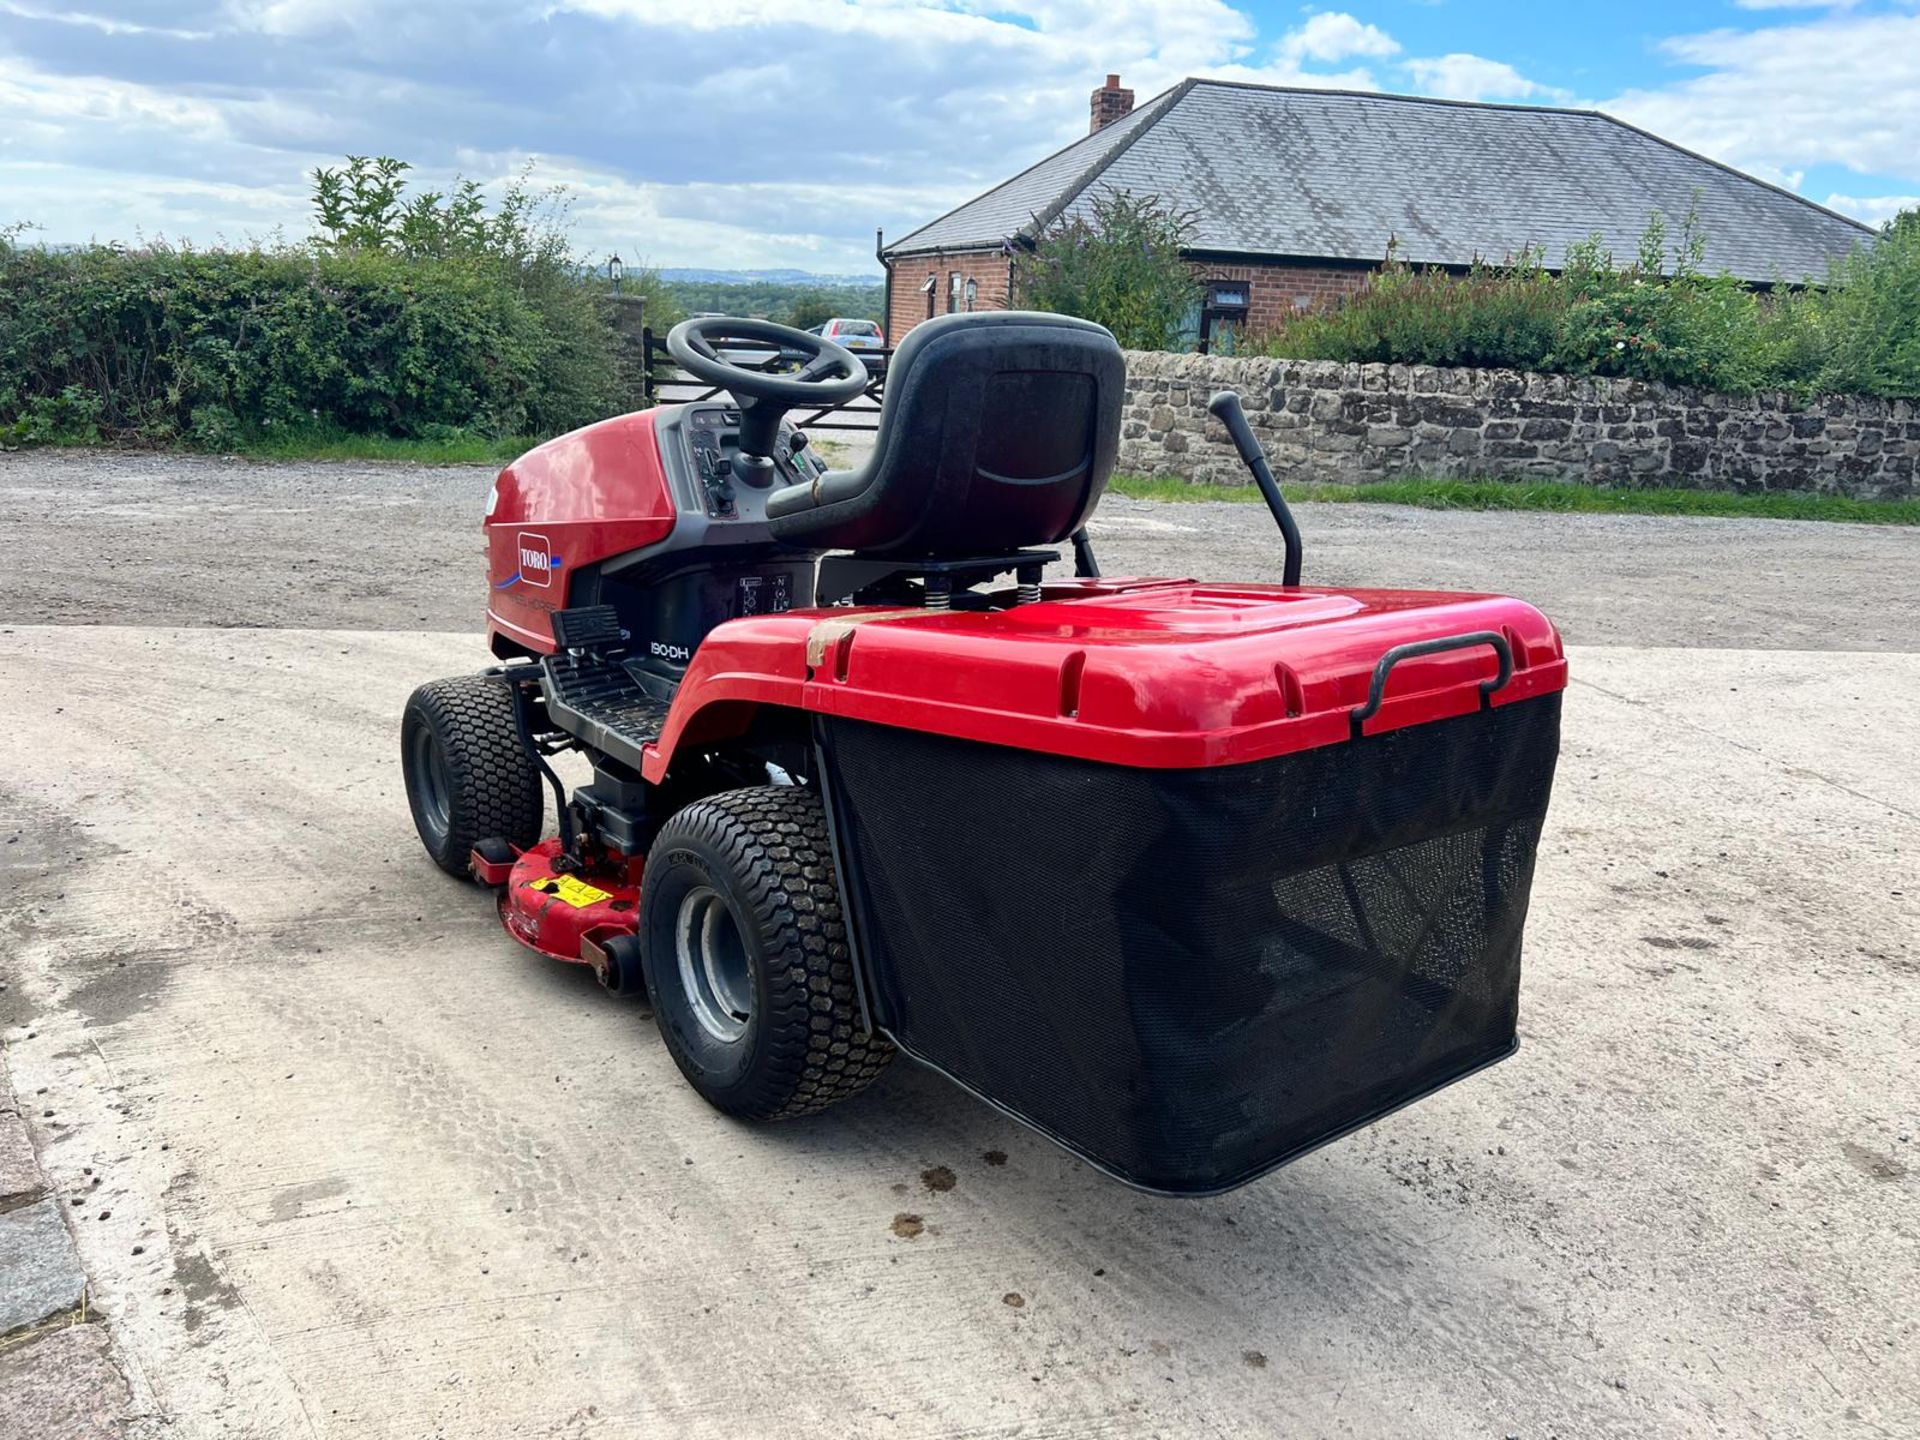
x,y
468,776
746,956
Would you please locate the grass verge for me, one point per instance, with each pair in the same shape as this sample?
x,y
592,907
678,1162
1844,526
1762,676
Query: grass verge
x,y
1545,495
459,449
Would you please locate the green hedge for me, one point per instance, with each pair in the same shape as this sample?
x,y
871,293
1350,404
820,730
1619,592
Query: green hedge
x,y
213,349
1858,334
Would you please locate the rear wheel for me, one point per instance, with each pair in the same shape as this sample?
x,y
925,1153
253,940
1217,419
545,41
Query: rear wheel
x,y
468,776
746,956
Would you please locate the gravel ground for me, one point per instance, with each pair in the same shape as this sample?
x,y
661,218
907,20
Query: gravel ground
x,y
107,538
357,1165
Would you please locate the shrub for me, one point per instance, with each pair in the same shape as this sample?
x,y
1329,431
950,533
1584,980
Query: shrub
x,y
523,244
1490,316
410,318
1658,317
1872,316
170,345
1121,266
1681,326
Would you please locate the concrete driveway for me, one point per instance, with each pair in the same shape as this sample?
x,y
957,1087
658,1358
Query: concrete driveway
x,y
367,1168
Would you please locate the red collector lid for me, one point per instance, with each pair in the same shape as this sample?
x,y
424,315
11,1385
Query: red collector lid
x,y
1155,673
1179,674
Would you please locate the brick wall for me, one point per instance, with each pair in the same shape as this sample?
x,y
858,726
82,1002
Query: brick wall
x,y
1273,290
1320,420
986,268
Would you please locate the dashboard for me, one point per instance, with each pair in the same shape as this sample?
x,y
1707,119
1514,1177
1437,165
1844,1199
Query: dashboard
x,y
710,438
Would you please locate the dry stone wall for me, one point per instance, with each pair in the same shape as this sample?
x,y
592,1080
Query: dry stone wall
x,y
1326,421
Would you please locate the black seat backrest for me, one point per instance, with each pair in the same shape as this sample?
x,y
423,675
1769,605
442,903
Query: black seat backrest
x,y
999,431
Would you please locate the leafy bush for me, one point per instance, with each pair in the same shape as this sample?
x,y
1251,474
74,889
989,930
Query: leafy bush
x,y
1658,317
408,317
1872,316
1424,317
1121,266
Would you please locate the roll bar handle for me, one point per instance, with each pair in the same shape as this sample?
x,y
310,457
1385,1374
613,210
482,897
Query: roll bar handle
x,y
1226,406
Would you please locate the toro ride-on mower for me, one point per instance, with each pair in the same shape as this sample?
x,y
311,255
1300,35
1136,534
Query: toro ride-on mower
x,y
1191,877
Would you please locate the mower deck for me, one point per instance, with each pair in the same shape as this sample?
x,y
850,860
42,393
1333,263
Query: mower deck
x,y
562,915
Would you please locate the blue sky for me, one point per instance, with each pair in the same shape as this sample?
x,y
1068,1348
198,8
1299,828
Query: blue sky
x,y
761,133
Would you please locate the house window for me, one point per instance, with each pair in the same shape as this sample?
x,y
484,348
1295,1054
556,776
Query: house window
x,y
953,291
1225,315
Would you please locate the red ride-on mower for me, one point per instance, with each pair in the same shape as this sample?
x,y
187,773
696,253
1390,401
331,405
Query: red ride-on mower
x,y
1191,877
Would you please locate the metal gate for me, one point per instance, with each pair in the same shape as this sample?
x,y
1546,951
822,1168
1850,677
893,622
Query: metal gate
x,y
665,383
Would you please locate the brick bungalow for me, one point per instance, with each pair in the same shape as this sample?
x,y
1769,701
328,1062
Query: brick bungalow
x,y
1296,195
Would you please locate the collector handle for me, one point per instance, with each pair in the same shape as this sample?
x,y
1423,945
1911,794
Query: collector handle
x,y
1413,649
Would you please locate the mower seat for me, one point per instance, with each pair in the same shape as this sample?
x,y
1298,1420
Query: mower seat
x,y
999,431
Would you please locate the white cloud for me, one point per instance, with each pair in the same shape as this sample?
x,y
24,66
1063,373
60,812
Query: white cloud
x,y
1839,90
105,24
298,17
40,106
1473,77
722,131
1874,209
1334,36
756,132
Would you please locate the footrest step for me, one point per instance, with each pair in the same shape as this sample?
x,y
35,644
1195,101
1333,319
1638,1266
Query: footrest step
x,y
600,702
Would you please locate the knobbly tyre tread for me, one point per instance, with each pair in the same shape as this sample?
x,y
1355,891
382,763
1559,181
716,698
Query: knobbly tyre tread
x,y
496,787
772,842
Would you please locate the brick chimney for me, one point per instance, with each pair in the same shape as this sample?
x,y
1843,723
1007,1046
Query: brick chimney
x,y
1110,103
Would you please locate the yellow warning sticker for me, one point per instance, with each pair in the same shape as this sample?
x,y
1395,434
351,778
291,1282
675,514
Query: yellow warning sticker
x,y
571,889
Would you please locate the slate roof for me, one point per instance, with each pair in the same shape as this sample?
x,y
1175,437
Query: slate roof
x,y
1333,174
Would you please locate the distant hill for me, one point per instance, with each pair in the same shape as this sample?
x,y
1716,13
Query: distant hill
x,y
803,300
804,279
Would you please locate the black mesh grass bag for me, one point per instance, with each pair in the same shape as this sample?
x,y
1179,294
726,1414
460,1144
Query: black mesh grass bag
x,y
1189,977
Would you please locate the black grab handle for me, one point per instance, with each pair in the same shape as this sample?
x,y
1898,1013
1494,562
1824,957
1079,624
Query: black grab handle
x,y
1377,692
1226,405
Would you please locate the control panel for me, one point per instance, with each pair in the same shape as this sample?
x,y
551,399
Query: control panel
x,y
713,438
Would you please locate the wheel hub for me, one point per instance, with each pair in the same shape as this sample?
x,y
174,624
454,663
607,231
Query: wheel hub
x,y
714,969
435,781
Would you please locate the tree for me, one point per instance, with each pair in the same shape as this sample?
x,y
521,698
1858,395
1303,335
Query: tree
x,y
523,244
810,309
365,205
1120,265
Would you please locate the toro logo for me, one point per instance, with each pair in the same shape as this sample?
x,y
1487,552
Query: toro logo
x,y
537,563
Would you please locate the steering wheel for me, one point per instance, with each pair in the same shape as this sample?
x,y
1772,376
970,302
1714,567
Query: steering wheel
x,y
830,373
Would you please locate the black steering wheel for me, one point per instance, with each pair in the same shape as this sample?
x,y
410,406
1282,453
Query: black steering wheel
x,y
829,373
